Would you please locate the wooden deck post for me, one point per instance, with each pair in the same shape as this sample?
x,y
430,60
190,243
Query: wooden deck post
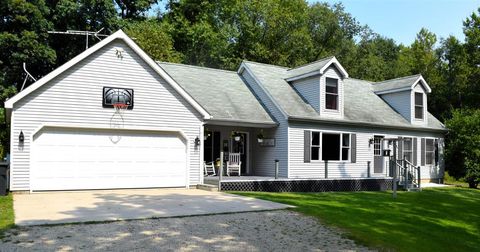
x,y
368,169
394,169
419,180
220,172
326,168
405,174
276,168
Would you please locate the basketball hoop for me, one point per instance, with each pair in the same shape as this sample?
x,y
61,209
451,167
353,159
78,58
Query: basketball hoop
x,y
120,107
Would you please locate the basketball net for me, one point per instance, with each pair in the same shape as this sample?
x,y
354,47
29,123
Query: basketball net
x,y
117,121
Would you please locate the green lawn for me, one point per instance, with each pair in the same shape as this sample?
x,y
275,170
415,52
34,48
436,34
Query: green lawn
x,y
6,213
441,219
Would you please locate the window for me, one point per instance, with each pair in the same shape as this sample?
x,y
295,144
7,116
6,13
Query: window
x,y
331,94
418,105
335,146
429,151
408,149
345,146
315,146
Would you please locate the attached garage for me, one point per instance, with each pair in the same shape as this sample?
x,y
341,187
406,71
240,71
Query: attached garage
x,y
74,159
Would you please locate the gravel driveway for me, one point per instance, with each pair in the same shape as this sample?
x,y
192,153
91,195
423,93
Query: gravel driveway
x,y
280,230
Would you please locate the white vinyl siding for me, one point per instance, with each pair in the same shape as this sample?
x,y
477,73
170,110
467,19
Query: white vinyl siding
x,y
264,157
74,98
332,73
309,89
364,152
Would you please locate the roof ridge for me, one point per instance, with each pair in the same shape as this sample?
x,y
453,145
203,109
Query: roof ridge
x,y
316,61
259,63
194,66
394,79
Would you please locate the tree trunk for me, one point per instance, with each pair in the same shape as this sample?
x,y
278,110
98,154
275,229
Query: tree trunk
x,y
472,184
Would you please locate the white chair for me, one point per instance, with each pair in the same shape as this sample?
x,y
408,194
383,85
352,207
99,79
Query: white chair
x,y
234,163
209,169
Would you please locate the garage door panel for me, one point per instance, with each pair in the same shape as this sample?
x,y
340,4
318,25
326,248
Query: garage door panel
x,y
67,159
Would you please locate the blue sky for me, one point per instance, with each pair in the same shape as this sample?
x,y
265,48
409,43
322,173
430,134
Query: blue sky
x,y
402,19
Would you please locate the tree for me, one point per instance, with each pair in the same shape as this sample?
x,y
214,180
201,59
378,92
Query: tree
x,y
456,71
471,29
84,15
153,37
462,153
376,58
23,38
134,8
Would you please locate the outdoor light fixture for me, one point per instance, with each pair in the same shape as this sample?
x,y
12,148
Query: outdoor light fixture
x,y
197,141
370,141
21,137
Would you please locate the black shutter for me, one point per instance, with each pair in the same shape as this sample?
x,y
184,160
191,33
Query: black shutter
x,y
353,148
422,152
306,146
436,152
400,148
414,151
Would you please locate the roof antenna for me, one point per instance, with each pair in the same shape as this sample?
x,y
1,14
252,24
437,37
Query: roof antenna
x,y
28,75
83,33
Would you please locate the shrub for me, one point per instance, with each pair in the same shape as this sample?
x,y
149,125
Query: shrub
x,y
462,152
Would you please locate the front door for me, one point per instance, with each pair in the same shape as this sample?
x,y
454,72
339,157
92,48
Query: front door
x,y
378,159
240,145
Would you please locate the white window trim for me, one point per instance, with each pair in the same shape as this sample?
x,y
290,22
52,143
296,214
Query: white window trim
x,y
411,150
433,152
319,145
337,94
415,106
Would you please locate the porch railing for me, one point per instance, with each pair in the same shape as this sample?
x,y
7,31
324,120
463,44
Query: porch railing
x,y
407,173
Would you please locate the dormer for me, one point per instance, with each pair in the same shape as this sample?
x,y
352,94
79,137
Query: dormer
x,y
320,83
407,95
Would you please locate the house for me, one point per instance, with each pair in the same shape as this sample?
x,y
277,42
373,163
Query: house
x,y
321,126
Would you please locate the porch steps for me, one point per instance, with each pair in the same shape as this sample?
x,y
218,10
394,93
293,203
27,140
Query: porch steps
x,y
207,187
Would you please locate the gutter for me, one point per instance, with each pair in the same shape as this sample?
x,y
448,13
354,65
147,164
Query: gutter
x,y
241,123
364,124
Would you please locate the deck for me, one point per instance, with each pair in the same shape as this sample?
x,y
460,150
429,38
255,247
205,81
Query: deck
x,y
270,184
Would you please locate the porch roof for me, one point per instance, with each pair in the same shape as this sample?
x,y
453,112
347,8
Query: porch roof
x,y
222,93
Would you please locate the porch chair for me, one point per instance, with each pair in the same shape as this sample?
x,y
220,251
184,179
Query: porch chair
x,y
209,169
234,163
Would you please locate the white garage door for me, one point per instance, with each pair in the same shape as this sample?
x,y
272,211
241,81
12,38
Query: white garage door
x,y
101,159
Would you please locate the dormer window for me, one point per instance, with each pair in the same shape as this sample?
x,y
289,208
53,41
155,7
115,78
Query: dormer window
x,y
418,105
331,94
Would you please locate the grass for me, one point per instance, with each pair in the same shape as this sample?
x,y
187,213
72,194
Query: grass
x,y
440,219
7,220
449,180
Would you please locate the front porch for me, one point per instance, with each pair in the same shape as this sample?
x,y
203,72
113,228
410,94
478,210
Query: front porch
x,y
257,158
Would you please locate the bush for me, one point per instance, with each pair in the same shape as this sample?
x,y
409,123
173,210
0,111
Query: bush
x,y
462,152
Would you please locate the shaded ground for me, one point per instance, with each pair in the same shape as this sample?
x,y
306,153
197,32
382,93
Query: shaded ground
x,y
279,230
435,219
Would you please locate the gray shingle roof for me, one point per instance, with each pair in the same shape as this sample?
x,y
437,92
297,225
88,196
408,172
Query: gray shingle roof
x,y
398,83
222,93
308,68
361,104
